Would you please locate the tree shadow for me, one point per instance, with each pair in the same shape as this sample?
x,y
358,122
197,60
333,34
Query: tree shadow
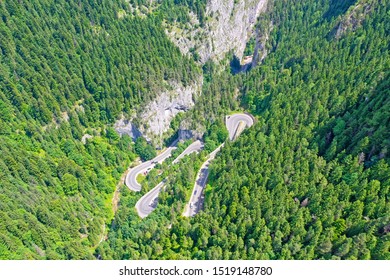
x,y
338,7
236,67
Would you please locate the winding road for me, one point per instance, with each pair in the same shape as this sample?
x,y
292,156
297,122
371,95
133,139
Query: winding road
x,y
234,124
131,178
146,204
194,147
196,199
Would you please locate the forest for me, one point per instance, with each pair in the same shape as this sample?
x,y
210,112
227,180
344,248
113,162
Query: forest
x,y
310,180
68,70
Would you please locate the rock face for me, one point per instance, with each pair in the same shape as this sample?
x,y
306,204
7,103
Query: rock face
x,y
189,129
228,26
261,50
125,127
157,115
85,137
354,18
155,118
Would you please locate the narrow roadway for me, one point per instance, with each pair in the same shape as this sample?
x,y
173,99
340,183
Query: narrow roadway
x,y
233,121
131,178
146,204
196,201
194,147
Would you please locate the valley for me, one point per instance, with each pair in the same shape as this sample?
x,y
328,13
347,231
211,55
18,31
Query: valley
x,y
122,135
146,204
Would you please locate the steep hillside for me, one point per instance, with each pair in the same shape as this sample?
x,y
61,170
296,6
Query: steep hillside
x,y
310,180
68,69
225,26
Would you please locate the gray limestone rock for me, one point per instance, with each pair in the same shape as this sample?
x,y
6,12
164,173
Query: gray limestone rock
x,y
228,26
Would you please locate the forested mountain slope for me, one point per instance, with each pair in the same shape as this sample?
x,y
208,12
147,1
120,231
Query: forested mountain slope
x,y
311,179
70,68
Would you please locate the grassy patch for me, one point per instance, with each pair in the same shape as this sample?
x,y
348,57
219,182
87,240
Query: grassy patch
x,y
140,178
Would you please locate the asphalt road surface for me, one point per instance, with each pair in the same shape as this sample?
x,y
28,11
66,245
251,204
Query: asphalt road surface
x,y
131,178
146,204
194,147
233,121
196,201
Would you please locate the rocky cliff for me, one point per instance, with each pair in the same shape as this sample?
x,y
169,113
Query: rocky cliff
x,y
354,17
227,27
154,119
157,115
261,49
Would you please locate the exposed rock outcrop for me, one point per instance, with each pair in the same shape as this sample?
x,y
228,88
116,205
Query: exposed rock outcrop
x,y
227,27
190,129
157,115
85,138
354,17
261,49
155,118
125,127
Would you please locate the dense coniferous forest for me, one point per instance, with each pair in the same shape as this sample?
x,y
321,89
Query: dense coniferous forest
x,y
310,180
69,68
